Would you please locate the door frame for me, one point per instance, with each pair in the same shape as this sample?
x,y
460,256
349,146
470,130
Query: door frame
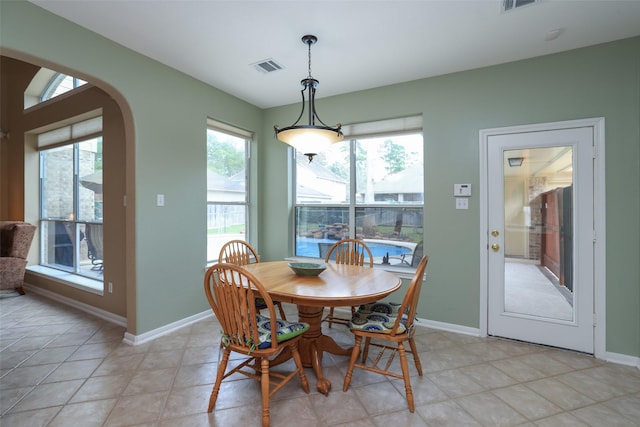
x,y
599,264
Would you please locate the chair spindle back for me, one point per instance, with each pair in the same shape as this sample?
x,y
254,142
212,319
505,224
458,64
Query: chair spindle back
x,y
350,252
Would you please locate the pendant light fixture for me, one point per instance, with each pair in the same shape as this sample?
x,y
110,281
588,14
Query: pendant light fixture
x,y
309,138
515,162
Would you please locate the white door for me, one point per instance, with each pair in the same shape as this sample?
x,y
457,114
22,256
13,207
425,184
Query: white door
x,y
540,237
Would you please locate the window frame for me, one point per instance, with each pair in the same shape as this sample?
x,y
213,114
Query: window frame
x,y
91,279
233,131
52,86
353,134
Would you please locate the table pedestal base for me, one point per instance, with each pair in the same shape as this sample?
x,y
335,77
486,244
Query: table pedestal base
x,y
313,343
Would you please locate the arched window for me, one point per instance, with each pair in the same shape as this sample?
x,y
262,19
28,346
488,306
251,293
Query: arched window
x,y
47,84
70,195
59,84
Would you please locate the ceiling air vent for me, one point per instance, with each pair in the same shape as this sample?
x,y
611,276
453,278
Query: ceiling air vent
x,y
508,5
267,66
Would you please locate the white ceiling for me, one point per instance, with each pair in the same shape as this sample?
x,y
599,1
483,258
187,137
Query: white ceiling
x,y
362,44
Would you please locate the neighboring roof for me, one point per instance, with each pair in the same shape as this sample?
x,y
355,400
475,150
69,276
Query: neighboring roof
x,y
306,192
318,170
410,180
217,182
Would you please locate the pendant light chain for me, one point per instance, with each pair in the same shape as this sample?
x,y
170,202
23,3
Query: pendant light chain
x,y
309,45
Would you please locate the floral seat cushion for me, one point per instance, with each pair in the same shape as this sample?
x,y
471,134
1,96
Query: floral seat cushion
x,y
285,330
386,308
377,317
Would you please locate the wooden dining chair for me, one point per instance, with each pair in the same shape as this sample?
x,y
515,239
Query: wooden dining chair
x,y
350,252
231,292
391,325
241,253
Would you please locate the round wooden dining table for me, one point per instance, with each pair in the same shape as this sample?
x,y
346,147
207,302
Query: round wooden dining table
x,y
337,286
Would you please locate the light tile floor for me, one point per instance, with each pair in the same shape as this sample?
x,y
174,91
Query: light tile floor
x,y
61,367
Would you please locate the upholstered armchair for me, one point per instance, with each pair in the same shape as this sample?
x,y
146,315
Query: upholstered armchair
x,y
15,241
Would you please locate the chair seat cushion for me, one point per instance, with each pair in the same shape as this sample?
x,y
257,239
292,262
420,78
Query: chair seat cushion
x,y
377,317
386,308
285,330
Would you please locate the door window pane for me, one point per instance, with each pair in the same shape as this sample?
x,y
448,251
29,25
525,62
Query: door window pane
x,y
538,233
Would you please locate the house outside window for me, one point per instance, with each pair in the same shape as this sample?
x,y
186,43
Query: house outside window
x,y
71,204
369,186
227,186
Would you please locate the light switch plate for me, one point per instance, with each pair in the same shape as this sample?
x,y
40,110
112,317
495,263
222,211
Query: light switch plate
x,y
160,200
462,203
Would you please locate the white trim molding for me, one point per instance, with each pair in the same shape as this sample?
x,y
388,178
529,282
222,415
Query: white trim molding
x,y
94,311
448,327
622,359
132,339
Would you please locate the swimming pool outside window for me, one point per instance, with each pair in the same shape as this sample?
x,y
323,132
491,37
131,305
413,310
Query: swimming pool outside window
x,y
370,188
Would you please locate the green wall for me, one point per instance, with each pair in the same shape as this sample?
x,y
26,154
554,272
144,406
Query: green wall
x,y
169,111
599,81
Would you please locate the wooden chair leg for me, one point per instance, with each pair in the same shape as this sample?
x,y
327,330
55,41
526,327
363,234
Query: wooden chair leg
x,y
296,358
330,317
222,367
365,351
416,358
352,363
405,374
282,315
264,367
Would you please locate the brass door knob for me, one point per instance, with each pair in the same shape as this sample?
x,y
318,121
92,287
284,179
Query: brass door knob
x,y
495,233
495,247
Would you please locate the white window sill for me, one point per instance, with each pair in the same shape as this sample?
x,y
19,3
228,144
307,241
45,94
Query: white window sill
x,y
75,281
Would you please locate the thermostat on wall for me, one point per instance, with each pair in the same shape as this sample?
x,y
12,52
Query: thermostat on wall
x,y
461,190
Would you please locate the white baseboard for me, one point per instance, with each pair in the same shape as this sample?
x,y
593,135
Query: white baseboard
x,y
94,311
622,359
164,330
448,327
617,358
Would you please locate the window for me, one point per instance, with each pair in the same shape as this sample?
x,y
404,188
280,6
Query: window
x,y
59,84
71,209
47,84
369,186
227,184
